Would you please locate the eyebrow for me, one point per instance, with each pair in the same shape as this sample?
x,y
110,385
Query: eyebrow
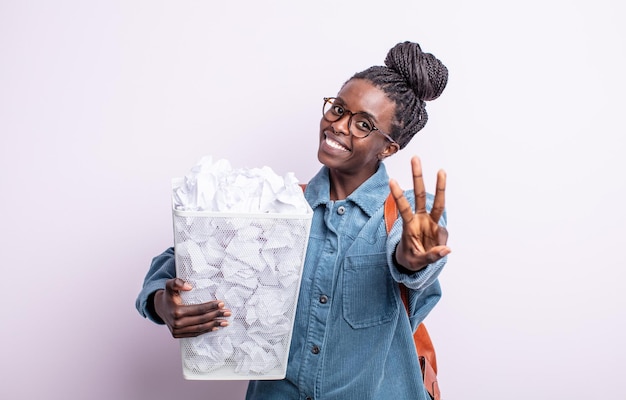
x,y
342,102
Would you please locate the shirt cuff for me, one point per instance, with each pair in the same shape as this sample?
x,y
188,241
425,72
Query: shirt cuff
x,y
413,280
143,298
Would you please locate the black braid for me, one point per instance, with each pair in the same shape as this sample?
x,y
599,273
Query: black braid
x,y
409,79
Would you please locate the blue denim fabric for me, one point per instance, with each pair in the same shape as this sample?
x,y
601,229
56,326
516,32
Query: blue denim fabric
x,y
352,337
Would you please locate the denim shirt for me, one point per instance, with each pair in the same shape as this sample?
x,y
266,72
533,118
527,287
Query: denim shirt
x,y
352,337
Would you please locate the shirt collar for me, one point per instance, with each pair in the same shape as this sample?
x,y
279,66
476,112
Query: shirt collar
x,y
370,196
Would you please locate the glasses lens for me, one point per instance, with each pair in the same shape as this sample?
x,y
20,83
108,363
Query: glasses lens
x,y
331,112
361,125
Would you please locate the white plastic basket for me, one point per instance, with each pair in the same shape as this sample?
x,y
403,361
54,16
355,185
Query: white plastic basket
x,y
253,262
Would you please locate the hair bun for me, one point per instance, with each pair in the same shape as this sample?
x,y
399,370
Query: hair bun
x,y
423,72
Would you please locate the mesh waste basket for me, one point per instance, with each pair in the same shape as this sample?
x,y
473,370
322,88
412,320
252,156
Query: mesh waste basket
x,y
253,262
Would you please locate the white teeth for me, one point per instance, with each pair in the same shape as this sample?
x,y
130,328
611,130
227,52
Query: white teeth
x,y
335,145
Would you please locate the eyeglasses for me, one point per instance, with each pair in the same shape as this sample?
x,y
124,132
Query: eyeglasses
x,y
333,112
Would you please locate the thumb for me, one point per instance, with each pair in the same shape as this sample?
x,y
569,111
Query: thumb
x,y
439,252
177,285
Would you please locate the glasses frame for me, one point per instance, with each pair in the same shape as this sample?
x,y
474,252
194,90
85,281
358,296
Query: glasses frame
x,y
331,100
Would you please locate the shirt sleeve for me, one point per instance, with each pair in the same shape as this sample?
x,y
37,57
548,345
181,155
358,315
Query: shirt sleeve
x,y
423,285
162,268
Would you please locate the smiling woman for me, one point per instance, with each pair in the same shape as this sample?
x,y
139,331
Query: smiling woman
x,y
352,338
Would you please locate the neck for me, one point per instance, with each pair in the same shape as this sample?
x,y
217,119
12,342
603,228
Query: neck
x,y
343,184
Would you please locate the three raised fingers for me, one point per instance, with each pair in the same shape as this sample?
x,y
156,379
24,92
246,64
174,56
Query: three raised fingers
x,y
404,207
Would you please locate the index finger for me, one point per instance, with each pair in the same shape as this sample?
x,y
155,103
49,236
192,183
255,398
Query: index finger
x,y
175,285
209,306
203,308
418,185
406,213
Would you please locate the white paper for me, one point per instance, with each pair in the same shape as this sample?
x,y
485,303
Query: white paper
x,y
217,187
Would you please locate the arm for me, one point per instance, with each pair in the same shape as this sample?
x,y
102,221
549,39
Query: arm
x,y
162,268
416,247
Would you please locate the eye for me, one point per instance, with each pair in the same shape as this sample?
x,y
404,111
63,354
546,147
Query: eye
x,y
337,109
363,124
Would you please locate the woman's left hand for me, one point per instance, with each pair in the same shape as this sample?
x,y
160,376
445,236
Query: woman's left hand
x,y
423,240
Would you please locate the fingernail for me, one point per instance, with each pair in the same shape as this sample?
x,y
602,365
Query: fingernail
x,y
227,313
224,323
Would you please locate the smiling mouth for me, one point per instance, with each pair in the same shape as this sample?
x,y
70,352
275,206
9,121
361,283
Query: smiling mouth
x,y
334,144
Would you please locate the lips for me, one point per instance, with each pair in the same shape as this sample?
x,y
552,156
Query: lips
x,y
334,144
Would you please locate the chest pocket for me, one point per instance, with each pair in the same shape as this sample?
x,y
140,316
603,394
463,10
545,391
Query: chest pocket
x,y
369,296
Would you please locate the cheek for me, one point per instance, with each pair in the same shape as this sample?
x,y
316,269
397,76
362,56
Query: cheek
x,y
323,125
370,150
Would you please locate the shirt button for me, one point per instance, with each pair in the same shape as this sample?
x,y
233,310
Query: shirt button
x,y
341,210
323,299
315,350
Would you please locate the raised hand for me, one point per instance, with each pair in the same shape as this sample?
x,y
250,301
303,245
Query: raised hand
x,y
423,239
188,320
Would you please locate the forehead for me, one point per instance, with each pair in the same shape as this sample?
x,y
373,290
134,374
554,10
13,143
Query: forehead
x,y
360,95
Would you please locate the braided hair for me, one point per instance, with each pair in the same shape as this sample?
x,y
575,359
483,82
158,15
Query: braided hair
x,y
409,78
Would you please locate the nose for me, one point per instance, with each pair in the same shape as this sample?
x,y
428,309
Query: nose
x,y
342,125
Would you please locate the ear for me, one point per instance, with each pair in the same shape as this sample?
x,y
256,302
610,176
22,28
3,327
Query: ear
x,y
389,150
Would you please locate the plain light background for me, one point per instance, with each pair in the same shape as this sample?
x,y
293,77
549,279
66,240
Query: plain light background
x,y
103,102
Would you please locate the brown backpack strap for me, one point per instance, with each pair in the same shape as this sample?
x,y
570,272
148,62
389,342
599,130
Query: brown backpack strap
x,y
391,212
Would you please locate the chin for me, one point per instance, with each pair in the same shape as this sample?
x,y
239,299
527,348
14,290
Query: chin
x,y
330,161
325,158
